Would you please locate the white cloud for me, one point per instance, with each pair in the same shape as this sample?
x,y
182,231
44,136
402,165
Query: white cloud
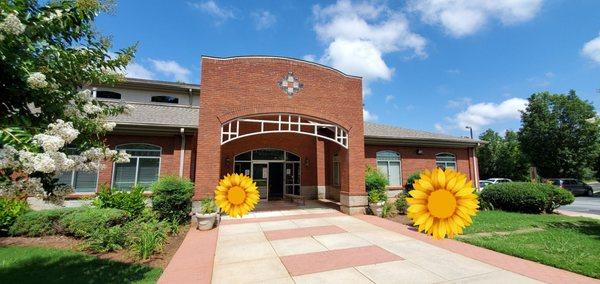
x,y
135,70
263,19
440,128
453,71
459,102
367,116
591,49
221,14
358,35
171,69
389,98
465,17
310,57
484,114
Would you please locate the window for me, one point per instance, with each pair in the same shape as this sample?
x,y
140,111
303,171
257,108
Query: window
x,y
80,181
336,170
388,162
165,99
143,167
445,160
108,95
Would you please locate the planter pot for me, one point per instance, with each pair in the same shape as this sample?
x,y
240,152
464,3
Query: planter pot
x,y
205,222
376,208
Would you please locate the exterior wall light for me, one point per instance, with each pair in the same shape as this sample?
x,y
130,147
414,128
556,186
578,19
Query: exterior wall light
x,y
306,163
419,151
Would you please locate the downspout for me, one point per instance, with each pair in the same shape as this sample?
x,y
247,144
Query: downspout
x,y
181,151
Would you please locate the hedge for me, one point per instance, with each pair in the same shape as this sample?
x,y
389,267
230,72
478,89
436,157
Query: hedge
x,y
525,197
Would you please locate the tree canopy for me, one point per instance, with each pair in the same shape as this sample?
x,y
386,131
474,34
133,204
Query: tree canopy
x,y
502,157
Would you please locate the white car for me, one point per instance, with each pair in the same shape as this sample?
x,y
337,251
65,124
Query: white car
x,y
498,180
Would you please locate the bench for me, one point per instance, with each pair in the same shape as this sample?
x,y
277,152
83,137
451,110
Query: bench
x,y
294,197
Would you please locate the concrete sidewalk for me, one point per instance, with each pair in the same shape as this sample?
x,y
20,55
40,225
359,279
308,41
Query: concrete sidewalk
x,y
321,245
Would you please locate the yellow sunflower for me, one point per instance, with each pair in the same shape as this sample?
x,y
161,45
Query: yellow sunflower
x,y
442,203
236,195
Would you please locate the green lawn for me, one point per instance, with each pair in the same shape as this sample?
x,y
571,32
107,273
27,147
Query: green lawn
x,y
570,243
48,265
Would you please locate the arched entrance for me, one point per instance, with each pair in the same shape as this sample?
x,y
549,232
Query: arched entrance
x,y
275,171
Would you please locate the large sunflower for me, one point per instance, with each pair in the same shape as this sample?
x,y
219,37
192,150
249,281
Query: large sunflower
x,y
442,203
236,195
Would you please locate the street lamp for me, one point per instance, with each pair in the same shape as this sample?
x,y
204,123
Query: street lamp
x,y
470,130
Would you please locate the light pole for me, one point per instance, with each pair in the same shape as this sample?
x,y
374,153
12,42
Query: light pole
x,y
470,130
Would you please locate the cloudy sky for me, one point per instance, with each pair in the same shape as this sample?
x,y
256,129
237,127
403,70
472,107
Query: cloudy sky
x,y
436,65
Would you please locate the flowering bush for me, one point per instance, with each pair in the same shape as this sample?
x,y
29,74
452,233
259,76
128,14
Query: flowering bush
x,y
49,53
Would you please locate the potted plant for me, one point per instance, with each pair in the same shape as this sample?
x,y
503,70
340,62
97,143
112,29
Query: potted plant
x,y
208,217
377,198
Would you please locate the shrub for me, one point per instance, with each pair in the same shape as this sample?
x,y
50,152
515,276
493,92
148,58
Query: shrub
x,y
401,204
146,238
374,179
10,209
388,210
207,206
106,239
40,223
516,196
377,195
556,197
411,179
84,223
172,198
132,201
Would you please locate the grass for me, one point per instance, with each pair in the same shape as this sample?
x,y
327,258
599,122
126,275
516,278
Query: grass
x,y
49,265
570,243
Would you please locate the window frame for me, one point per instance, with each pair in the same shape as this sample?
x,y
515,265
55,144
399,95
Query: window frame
x,y
137,163
335,166
174,99
446,162
72,181
399,161
107,91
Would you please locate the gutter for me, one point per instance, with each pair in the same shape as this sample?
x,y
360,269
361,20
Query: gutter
x,y
431,142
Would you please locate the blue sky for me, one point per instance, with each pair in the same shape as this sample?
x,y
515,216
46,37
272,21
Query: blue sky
x,y
435,65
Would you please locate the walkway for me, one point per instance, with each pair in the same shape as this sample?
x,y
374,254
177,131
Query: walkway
x,y
313,244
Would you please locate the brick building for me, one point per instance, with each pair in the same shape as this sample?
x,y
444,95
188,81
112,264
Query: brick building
x,y
296,127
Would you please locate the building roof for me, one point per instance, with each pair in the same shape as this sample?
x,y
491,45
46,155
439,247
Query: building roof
x,y
157,115
381,133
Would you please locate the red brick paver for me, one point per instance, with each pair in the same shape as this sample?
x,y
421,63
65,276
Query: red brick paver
x,y
524,267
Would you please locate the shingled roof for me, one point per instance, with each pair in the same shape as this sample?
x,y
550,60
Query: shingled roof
x,y
381,133
159,115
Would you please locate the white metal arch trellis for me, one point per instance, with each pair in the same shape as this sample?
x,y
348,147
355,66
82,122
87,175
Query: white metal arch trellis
x,y
282,123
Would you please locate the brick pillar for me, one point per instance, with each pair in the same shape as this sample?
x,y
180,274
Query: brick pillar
x,y
320,166
208,156
353,195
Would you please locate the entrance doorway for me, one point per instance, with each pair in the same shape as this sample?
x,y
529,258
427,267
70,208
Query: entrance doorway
x,y
275,171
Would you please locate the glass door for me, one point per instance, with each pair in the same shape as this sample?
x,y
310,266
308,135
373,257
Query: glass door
x,y
260,174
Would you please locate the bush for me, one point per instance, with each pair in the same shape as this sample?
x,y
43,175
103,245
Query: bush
x,y
84,223
401,204
411,179
207,206
523,197
172,198
10,209
377,195
106,239
132,201
374,179
40,223
388,210
556,197
146,238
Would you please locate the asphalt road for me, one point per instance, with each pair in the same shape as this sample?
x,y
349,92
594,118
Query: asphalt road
x,y
584,204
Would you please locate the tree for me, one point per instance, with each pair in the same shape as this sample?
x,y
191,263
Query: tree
x,y
559,134
502,156
49,52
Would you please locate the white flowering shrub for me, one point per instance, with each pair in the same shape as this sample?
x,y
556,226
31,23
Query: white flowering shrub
x,y
49,53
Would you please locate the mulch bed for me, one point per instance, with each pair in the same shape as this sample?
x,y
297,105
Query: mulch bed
x,y
62,242
402,219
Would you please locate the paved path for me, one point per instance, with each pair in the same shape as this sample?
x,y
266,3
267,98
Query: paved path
x,y
584,204
324,246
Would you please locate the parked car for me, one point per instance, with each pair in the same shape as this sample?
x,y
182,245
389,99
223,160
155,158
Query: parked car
x,y
498,180
575,186
484,183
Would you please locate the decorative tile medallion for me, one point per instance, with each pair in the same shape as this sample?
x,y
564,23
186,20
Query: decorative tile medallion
x,y
290,84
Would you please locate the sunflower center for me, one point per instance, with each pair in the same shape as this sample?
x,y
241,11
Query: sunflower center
x,y
441,203
236,195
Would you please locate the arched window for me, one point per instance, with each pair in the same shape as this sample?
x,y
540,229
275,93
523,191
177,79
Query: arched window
x,y
143,167
388,162
108,95
445,160
165,99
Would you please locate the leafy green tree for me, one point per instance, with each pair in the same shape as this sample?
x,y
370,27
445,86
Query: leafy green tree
x,y
559,134
502,156
49,52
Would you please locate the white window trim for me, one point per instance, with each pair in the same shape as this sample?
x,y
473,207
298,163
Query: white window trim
x,y
137,163
399,161
73,182
446,162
